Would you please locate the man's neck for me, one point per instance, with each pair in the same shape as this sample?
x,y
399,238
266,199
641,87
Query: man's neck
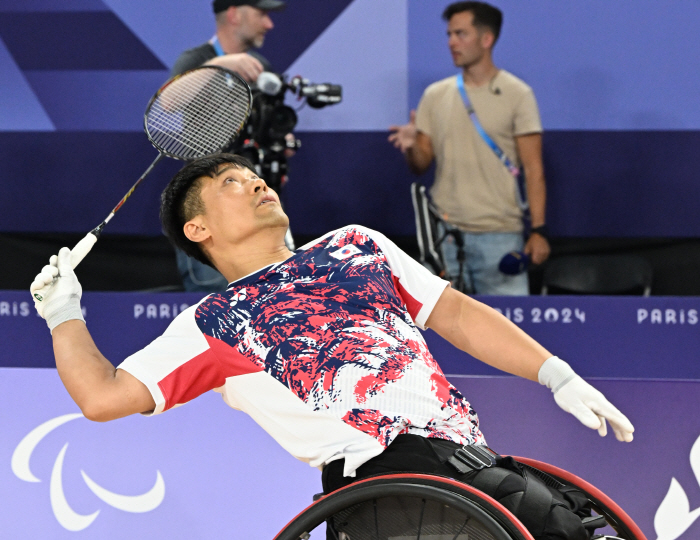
x,y
480,73
229,42
240,261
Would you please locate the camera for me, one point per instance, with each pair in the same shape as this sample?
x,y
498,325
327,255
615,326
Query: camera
x,y
267,138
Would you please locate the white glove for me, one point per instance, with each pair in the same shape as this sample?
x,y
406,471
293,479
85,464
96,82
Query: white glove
x,y
61,302
579,398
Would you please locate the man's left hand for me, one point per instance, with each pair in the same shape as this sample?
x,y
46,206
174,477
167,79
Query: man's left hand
x,y
579,398
592,409
537,248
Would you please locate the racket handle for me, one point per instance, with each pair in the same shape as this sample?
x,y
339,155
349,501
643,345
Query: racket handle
x,y
77,254
81,249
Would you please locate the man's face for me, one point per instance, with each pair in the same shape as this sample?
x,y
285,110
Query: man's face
x,y
254,24
468,44
238,204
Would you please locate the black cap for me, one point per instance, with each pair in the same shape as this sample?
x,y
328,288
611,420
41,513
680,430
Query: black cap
x,y
267,5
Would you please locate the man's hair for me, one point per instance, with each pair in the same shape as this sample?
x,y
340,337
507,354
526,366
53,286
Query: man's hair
x,y
485,15
181,200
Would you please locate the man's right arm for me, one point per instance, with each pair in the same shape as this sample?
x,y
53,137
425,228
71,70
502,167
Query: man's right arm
x,y
415,145
246,65
420,155
102,392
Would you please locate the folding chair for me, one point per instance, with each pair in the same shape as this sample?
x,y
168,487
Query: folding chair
x,y
431,232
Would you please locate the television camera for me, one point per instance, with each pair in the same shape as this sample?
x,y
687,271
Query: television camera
x,y
267,138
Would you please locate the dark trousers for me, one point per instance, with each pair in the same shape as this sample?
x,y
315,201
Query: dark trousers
x,y
506,482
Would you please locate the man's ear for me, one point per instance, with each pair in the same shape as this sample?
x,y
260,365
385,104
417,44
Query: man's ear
x,y
487,39
233,15
196,230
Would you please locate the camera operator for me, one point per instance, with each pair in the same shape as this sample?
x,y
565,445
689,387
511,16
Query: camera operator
x,y
241,26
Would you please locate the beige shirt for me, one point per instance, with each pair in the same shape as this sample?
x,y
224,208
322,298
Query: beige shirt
x,y
472,186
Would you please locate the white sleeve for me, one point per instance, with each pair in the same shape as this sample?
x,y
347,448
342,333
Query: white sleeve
x,y
172,365
419,288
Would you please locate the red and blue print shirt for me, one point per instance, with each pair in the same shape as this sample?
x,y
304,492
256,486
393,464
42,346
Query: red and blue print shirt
x,y
322,350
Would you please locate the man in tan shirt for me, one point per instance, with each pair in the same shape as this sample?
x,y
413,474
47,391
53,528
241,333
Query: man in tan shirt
x,y
473,189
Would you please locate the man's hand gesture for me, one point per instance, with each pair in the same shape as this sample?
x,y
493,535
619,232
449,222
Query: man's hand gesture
x,y
404,137
579,398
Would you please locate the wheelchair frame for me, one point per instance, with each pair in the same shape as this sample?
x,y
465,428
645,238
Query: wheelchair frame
x,y
617,518
501,523
493,516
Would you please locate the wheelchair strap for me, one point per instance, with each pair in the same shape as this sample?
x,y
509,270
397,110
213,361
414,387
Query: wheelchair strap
x,y
473,458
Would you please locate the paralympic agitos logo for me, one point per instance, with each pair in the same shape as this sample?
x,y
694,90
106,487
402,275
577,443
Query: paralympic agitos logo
x,y
674,517
65,515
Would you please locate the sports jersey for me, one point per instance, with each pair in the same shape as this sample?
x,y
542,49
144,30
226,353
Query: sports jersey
x,y
322,351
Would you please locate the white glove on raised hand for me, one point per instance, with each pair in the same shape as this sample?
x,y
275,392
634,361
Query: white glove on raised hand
x,y
61,302
579,398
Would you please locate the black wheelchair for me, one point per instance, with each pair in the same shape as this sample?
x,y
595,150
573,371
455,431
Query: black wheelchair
x,y
417,506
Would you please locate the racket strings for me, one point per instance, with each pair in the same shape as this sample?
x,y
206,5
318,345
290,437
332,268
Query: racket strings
x,y
198,114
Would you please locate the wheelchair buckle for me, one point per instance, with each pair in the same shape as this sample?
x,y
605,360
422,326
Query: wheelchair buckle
x,y
472,458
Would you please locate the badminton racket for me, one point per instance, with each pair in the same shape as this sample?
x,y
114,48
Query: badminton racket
x,y
194,114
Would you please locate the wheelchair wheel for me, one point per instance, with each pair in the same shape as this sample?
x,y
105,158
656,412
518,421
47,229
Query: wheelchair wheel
x,y
402,507
603,505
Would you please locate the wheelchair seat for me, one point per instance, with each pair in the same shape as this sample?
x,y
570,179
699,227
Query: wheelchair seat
x,y
407,506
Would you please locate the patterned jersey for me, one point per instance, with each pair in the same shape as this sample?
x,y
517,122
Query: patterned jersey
x,y
322,350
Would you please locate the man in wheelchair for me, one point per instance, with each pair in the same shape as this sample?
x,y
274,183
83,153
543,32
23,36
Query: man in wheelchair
x,y
321,347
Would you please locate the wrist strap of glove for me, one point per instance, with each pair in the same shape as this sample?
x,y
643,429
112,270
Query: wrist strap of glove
x,y
69,311
555,373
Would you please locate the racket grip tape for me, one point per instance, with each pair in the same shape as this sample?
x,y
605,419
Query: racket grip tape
x,y
81,249
77,254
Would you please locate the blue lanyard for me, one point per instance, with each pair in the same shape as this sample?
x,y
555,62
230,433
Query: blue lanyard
x,y
512,169
214,42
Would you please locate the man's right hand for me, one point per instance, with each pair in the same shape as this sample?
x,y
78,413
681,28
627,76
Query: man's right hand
x,y
244,64
404,137
61,302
